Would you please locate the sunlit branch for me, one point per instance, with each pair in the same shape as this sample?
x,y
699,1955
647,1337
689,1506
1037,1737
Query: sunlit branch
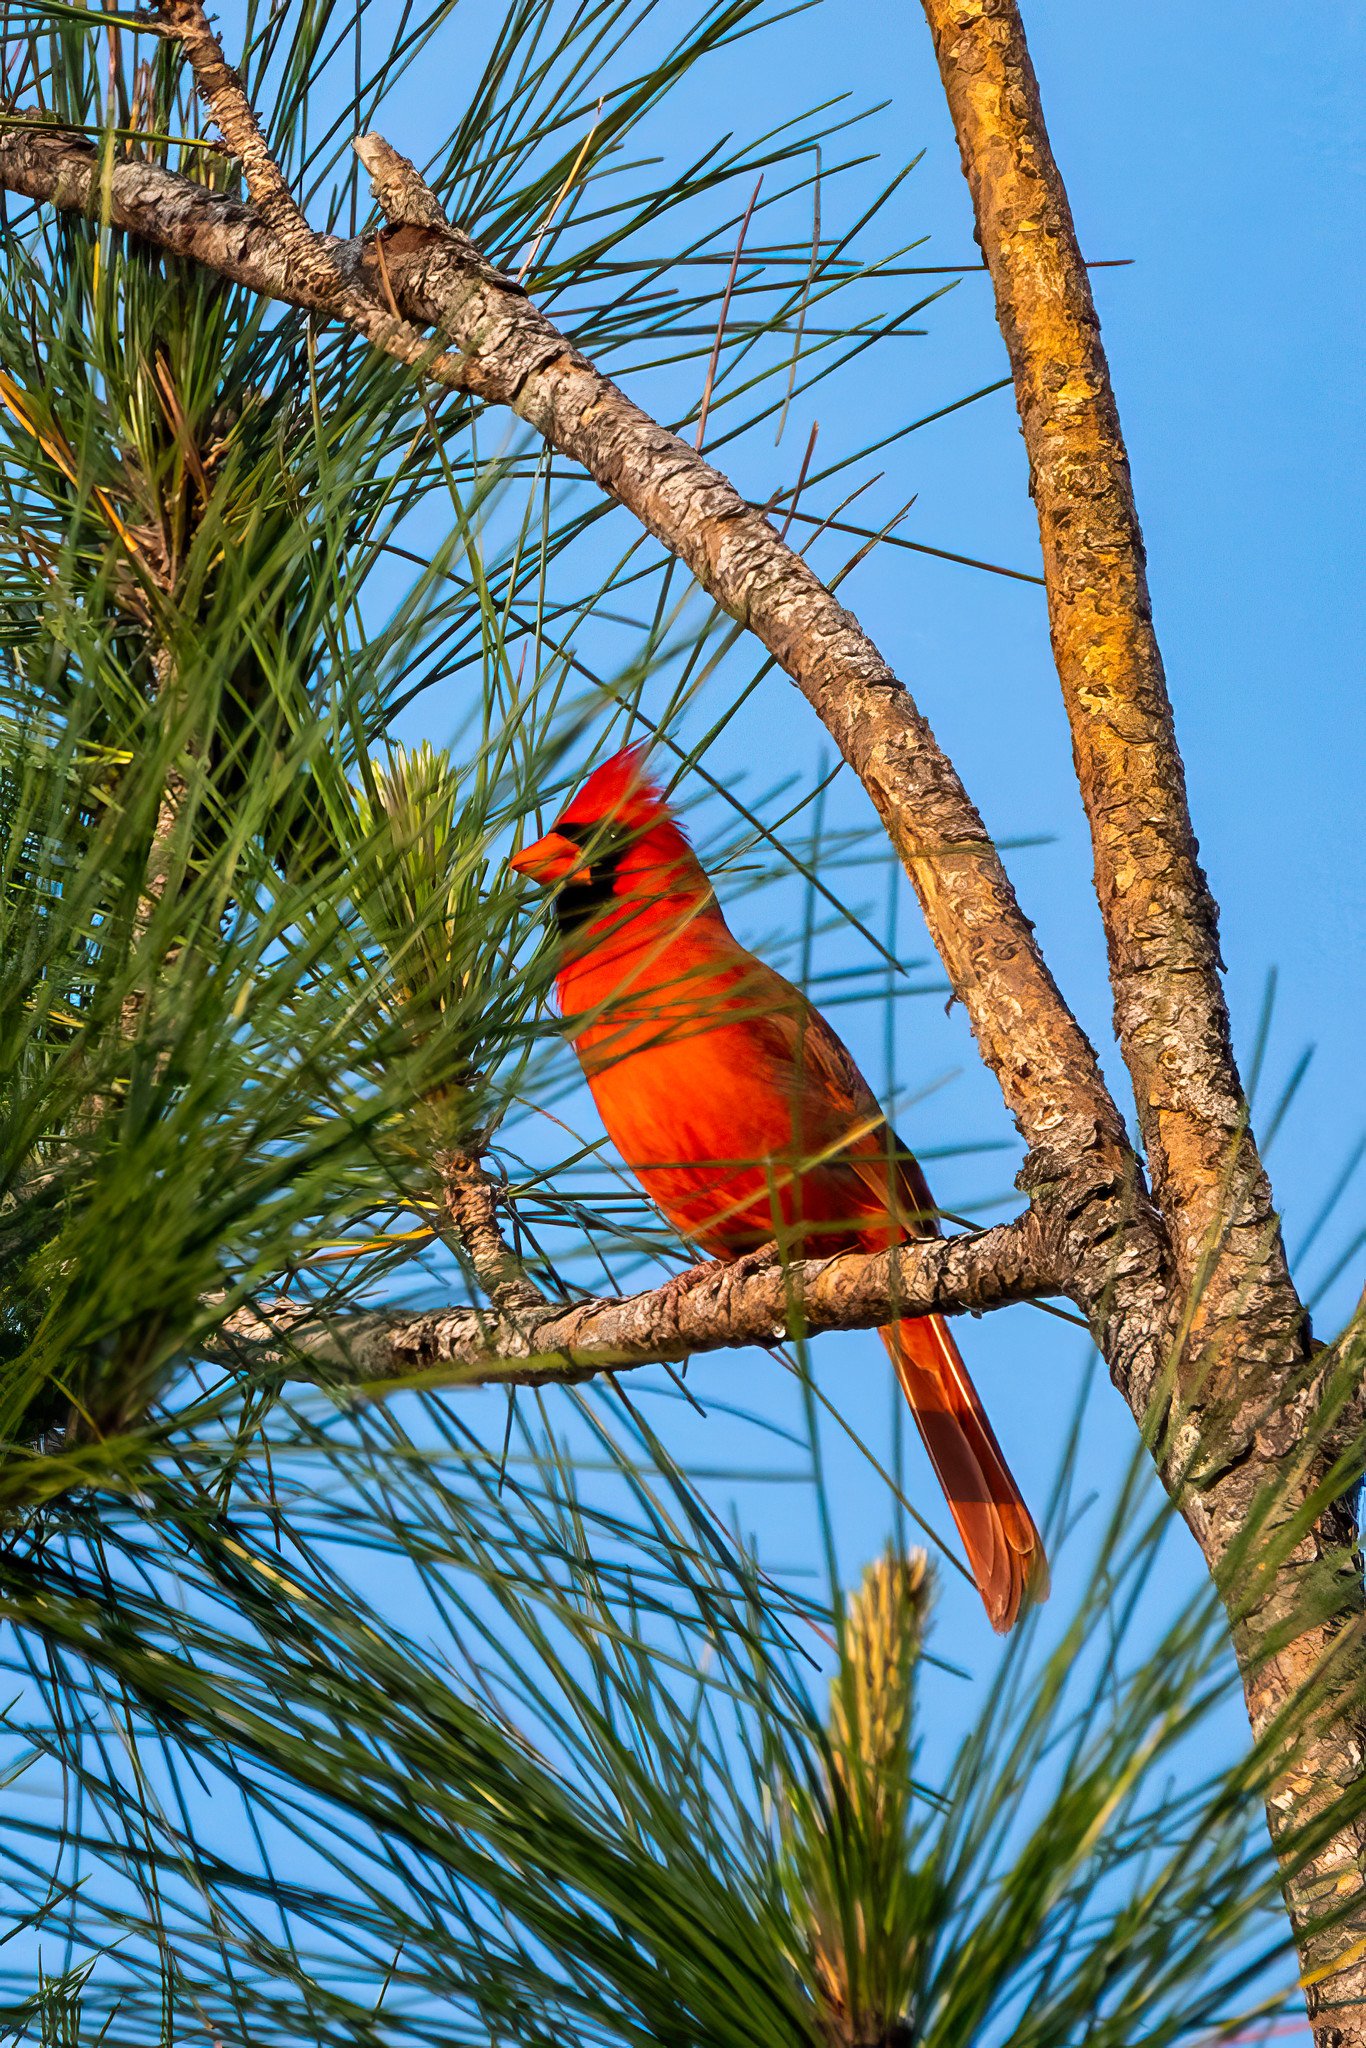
x,y
714,1308
1160,918
502,349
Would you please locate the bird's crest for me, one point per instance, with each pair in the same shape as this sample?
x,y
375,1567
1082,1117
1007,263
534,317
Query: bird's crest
x,y
619,790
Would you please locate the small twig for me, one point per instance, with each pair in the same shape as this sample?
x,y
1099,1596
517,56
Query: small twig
x,y
220,88
472,1205
311,257
561,195
402,194
721,323
801,479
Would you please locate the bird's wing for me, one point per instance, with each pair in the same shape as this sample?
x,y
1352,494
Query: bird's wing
x,y
847,1120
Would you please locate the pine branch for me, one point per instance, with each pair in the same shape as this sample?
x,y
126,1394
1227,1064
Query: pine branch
x,y
472,1205
712,1308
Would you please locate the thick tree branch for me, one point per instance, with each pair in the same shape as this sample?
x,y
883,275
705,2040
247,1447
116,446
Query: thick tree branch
x,y
720,1308
501,349
1250,1416
1160,918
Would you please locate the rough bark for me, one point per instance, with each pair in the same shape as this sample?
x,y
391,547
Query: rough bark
x,y
716,1307
1246,1398
471,1198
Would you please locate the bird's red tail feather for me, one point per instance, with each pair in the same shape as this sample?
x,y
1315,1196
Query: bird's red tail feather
x,y
1005,1550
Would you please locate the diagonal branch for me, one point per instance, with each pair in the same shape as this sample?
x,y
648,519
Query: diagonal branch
x,y
1160,918
502,349
220,88
719,1308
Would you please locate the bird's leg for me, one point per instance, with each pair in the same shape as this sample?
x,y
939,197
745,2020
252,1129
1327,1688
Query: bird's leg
x,y
758,1261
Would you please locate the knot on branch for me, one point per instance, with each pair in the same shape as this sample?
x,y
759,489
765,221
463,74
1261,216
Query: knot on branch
x,y
401,192
415,215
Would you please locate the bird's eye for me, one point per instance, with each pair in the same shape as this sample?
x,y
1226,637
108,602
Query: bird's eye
x,y
603,841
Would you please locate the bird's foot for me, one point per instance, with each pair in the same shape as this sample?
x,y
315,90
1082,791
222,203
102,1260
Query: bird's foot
x,y
760,1260
679,1284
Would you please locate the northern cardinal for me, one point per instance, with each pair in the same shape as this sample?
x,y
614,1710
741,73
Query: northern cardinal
x,y
745,1119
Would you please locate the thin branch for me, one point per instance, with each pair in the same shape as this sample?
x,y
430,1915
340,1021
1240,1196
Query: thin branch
x,y
472,1205
220,88
714,1308
700,436
315,261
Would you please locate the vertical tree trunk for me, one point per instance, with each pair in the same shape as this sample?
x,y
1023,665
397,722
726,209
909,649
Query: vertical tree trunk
x,y
1239,1449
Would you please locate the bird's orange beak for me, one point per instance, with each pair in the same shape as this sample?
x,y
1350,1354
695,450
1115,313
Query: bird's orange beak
x,y
552,859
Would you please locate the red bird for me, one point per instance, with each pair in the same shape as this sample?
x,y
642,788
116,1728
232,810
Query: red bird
x,y
745,1119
